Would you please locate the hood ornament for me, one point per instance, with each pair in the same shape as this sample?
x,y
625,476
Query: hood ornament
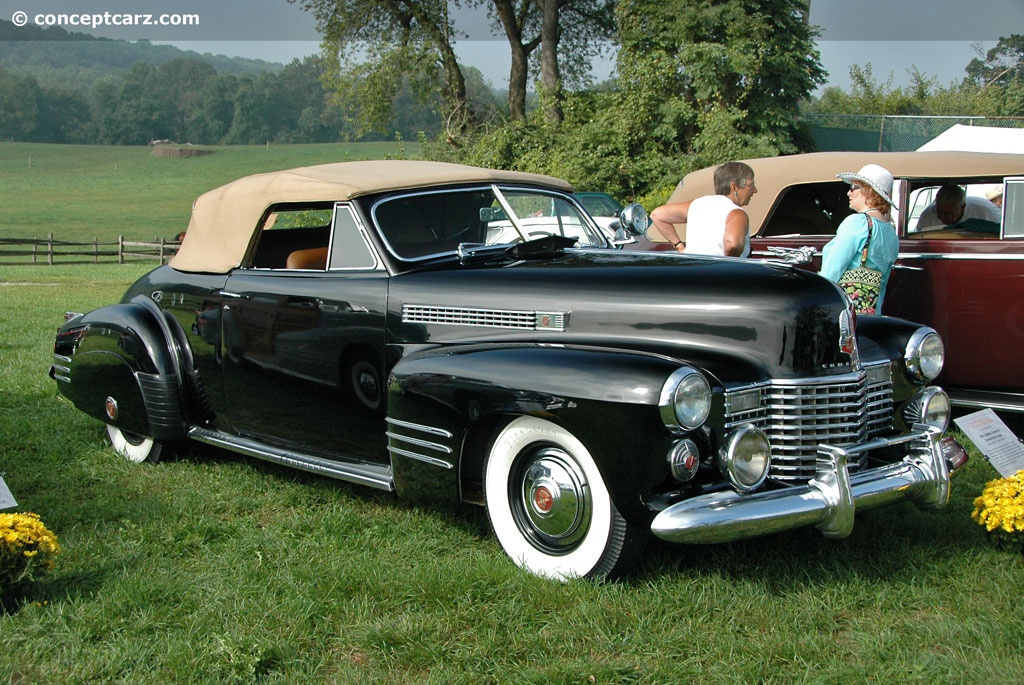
x,y
848,337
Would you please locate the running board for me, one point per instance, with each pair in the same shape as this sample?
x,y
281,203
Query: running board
x,y
374,475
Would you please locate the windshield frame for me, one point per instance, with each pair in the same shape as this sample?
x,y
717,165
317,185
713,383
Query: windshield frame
x,y
520,226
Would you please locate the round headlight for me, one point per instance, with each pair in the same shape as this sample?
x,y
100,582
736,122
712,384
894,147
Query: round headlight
x,y
745,458
925,355
685,398
929,406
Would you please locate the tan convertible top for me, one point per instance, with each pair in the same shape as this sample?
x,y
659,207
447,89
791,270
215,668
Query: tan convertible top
x,y
773,174
224,219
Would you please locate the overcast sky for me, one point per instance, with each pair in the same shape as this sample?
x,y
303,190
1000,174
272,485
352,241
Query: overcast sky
x,y
938,36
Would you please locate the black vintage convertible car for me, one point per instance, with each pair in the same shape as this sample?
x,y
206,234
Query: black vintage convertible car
x,y
461,335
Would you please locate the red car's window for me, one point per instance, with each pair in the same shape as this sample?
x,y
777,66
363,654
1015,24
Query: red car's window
x,y
808,209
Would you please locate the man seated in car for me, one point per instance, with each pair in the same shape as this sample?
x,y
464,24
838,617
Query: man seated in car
x,y
952,205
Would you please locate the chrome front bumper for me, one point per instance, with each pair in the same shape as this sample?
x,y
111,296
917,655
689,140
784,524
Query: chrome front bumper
x,y
828,501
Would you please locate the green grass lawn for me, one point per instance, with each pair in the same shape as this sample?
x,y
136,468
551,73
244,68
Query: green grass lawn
x,y
81,192
217,568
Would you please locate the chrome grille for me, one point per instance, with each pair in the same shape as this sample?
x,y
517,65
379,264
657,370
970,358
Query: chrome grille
x,y
797,416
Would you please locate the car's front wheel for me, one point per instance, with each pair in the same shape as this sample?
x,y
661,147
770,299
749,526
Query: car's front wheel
x,y
549,506
134,447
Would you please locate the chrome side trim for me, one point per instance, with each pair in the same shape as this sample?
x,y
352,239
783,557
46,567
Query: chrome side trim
x,y
362,473
406,445
829,501
420,443
60,370
958,256
421,457
983,399
487,318
420,427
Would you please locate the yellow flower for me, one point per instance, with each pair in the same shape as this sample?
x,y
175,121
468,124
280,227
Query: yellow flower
x,y
1000,510
25,547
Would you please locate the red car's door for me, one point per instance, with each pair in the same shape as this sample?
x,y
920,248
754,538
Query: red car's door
x,y
972,292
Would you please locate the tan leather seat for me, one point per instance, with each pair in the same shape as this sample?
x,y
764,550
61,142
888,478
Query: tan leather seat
x,y
313,258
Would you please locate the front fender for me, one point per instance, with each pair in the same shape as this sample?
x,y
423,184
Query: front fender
x,y
892,335
119,364
440,400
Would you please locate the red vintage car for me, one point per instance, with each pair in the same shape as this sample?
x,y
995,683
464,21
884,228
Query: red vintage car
x,y
965,281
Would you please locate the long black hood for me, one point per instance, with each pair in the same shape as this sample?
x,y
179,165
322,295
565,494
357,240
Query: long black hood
x,y
761,320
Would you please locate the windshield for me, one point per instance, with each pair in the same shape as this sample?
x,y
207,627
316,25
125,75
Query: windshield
x,y
432,223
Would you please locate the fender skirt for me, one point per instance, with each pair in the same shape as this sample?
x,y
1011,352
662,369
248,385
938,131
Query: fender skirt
x,y
120,364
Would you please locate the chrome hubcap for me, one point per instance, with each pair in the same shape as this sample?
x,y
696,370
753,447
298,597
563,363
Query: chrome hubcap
x,y
555,501
364,381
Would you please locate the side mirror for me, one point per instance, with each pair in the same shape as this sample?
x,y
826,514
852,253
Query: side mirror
x,y
632,221
489,214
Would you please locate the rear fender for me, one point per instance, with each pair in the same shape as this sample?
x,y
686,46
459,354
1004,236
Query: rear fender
x,y
121,365
445,407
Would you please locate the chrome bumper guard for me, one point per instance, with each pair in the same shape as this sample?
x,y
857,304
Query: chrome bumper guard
x,y
828,501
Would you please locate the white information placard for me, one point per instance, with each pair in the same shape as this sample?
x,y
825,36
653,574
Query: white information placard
x,y
997,442
6,498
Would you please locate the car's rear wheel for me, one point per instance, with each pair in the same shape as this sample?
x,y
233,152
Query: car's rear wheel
x,y
549,506
361,380
134,447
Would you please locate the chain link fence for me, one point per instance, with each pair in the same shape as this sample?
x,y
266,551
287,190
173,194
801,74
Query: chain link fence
x,y
888,133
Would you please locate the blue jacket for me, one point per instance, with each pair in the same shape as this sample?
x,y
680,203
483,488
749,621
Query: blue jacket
x,y
843,251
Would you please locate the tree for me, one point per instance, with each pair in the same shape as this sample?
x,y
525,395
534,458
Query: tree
x,y
733,67
550,76
868,96
1002,64
181,84
216,109
994,86
999,77
19,106
64,117
135,112
371,44
566,55
516,21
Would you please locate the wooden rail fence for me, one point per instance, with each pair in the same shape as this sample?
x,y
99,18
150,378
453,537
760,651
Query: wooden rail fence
x,y
51,251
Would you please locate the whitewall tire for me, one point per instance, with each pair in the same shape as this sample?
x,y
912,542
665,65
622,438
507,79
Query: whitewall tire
x,y
133,447
549,507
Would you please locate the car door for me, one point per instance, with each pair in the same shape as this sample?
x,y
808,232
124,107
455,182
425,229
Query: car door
x,y
968,284
304,338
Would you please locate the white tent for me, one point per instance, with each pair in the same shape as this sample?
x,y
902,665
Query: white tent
x,y
977,139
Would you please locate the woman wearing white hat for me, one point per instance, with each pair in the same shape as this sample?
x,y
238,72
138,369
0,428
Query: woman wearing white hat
x,y
871,226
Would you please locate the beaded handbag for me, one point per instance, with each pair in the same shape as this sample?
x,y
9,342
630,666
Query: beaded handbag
x,y
863,285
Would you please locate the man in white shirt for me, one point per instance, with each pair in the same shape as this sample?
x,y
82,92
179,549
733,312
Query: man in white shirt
x,y
716,224
952,205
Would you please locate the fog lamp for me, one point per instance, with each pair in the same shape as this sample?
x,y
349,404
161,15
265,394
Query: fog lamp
x,y
744,458
929,406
